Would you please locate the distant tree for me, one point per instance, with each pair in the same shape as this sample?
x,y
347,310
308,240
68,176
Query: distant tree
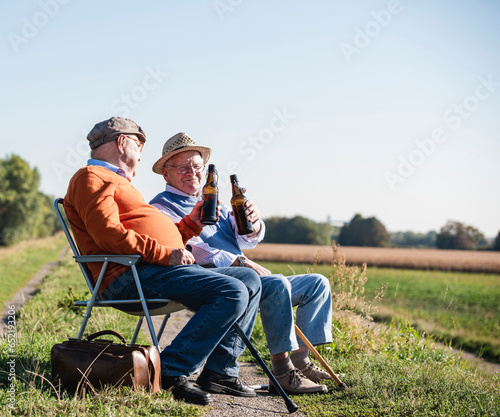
x,y
496,244
412,239
25,212
456,235
297,230
364,232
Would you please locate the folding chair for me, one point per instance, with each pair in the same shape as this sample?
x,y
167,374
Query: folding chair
x,y
141,307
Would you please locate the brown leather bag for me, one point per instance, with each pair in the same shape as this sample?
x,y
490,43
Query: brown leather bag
x,y
100,362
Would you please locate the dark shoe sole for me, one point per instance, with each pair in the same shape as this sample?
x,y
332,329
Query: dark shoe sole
x,y
222,389
192,400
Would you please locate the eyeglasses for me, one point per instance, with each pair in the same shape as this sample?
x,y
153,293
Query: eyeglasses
x,y
184,169
139,143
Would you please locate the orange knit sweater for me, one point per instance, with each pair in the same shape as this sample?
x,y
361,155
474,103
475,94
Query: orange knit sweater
x,y
108,215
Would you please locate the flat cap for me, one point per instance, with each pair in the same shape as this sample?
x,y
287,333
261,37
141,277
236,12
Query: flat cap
x,y
110,129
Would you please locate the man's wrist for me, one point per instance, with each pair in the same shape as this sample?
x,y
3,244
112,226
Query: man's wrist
x,y
242,259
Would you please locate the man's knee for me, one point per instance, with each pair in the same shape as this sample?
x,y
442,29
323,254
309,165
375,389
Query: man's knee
x,y
234,297
274,283
276,295
322,283
253,282
248,277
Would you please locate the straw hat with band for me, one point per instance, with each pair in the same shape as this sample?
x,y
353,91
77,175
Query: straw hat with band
x,y
177,144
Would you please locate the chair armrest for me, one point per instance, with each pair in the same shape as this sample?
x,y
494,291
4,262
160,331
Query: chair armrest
x,y
119,259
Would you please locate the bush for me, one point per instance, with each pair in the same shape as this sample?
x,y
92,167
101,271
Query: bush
x,y
298,230
456,235
25,212
364,232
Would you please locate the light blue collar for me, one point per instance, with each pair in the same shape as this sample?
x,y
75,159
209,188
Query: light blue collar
x,y
107,165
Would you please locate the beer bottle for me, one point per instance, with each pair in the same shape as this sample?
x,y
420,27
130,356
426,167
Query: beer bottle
x,y
238,201
210,197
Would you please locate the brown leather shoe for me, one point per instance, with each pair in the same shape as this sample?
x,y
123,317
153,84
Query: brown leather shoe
x,y
294,382
314,373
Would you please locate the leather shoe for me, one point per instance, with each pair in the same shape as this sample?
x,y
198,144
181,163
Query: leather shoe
x,y
182,389
222,384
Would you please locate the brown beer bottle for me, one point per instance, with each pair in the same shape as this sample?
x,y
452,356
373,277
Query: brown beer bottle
x,y
210,198
238,201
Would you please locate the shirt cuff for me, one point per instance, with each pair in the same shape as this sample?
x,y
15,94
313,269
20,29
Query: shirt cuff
x,y
224,259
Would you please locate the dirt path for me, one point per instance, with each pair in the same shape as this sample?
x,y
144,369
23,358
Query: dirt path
x,y
263,405
26,293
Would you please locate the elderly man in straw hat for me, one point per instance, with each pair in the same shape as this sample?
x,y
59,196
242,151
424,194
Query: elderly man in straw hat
x,y
182,164
108,215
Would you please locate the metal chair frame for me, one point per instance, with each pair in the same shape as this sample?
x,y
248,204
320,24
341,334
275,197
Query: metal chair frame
x,y
144,308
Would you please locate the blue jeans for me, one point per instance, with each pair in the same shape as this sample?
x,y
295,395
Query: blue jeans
x,y
219,296
312,294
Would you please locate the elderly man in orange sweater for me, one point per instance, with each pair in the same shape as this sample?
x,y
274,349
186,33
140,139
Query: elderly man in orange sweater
x,y
108,215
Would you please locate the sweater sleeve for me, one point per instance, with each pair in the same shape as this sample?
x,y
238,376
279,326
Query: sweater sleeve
x,y
188,229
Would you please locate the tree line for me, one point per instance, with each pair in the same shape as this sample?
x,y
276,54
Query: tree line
x,y
25,212
371,232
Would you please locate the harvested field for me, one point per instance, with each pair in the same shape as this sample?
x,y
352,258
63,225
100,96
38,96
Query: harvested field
x,y
411,258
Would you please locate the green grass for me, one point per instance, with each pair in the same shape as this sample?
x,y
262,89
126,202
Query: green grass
x,y
49,318
19,263
390,371
394,372
462,309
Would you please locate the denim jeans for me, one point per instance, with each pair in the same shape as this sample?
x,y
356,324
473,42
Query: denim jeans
x,y
311,293
219,296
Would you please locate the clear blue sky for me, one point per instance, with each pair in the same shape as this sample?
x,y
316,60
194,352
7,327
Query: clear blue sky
x,y
323,108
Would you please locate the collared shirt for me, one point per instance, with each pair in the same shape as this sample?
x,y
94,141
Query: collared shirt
x,y
105,164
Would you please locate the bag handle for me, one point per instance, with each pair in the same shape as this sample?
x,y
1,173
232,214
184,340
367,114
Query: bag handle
x,y
107,332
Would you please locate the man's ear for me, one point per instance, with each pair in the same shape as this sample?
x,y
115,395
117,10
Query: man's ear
x,y
120,144
165,174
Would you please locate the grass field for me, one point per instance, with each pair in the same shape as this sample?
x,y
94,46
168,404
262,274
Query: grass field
x,y
19,263
394,372
47,319
462,309
453,295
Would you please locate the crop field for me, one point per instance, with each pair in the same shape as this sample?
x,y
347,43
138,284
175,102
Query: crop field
x,y
459,308
409,258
